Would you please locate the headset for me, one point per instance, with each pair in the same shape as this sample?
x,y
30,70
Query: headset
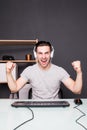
x,y
39,44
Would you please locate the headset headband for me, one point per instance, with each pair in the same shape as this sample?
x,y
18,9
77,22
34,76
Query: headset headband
x,y
43,43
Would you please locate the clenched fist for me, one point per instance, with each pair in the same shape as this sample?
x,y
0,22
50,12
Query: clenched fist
x,y
77,66
10,66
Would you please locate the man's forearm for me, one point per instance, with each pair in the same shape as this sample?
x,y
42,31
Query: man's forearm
x,y
11,83
78,83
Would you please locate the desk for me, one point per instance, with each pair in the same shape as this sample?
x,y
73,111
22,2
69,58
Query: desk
x,y
44,118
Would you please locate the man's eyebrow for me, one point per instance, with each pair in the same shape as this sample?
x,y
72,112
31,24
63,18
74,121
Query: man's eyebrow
x,y
44,52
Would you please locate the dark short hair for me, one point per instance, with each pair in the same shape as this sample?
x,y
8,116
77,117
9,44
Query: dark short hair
x,y
43,43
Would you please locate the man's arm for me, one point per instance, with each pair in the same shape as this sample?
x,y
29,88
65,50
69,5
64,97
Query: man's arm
x,y
75,86
14,85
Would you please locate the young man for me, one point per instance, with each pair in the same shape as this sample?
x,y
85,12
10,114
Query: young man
x,y
45,77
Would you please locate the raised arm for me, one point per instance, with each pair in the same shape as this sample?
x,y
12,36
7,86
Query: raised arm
x,y
75,86
14,85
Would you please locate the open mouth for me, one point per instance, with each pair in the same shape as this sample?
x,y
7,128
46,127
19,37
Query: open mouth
x,y
44,61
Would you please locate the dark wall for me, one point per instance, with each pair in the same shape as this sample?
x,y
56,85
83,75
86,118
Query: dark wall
x,y
62,22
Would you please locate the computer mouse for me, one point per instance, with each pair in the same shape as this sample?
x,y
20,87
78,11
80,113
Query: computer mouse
x,y
78,101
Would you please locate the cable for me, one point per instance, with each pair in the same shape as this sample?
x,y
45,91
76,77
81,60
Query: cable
x,y
77,120
26,120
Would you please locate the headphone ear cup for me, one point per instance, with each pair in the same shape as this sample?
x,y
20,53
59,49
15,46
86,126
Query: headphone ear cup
x,y
35,55
52,53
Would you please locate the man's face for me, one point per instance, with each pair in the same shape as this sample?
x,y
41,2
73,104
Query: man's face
x,y
43,56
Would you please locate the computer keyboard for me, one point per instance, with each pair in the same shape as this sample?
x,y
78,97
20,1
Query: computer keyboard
x,y
40,104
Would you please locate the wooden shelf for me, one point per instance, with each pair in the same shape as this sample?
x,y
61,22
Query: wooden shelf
x,y
18,61
3,82
14,43
18,42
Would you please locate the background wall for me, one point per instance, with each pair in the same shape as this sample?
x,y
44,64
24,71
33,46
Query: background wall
x,y
62,22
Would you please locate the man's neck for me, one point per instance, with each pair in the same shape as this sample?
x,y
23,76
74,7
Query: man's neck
x,y
45,68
